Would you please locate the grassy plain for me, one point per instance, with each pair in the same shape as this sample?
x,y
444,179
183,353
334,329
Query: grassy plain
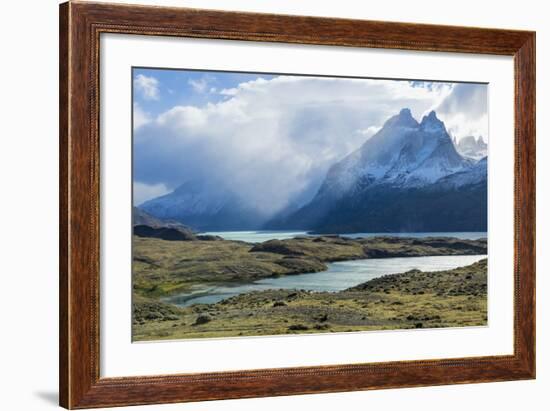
x,y
413,299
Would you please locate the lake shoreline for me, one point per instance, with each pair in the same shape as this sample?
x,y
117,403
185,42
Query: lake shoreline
x,y
162,268
414,299
219,292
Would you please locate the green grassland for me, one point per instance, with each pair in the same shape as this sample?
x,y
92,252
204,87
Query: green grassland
x,y
413,299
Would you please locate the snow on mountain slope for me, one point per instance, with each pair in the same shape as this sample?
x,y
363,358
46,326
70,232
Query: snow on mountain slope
x,y
404,153
475,175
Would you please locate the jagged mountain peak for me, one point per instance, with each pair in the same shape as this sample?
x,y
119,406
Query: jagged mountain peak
x,y
472,140
431,123
402,152
472,147
431,116
403,119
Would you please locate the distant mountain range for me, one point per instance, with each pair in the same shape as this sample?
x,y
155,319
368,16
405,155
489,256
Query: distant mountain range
x,y
471,147
408,177
204,208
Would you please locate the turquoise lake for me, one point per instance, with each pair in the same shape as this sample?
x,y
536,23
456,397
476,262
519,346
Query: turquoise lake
x,y
339,276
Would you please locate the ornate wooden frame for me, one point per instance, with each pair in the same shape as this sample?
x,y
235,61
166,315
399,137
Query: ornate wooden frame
x,y
80,27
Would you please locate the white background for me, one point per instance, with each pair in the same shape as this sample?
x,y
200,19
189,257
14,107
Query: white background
x,y
119,357
28,169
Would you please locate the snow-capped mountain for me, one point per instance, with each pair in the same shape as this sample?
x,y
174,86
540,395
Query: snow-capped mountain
x,y
404,152
471,147
405,178
203,207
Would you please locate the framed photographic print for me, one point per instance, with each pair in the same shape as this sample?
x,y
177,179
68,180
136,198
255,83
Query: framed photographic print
x,y
258,205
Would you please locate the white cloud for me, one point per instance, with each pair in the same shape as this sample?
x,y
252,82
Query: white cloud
x,y
144,192
183,117
369,131
272,141
464,111
147,86
198,85
140,117
201,85
229,92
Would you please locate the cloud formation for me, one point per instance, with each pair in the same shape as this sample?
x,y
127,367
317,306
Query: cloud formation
x,y
201,85
147,86
464,111
270,142
144,192
140,116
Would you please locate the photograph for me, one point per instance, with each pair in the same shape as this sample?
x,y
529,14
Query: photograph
x,y
277,203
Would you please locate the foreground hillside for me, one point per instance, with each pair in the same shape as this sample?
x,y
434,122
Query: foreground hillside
x,y
415,299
